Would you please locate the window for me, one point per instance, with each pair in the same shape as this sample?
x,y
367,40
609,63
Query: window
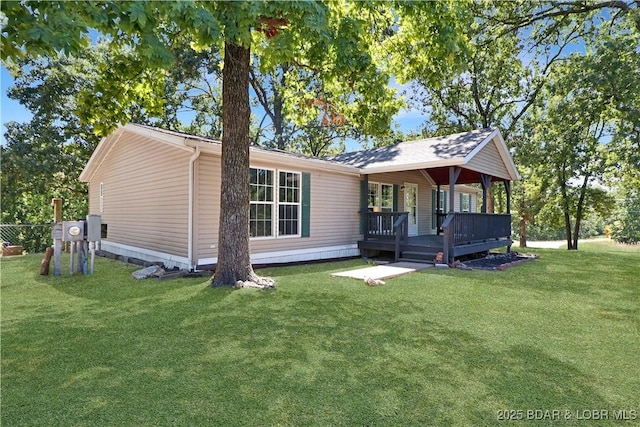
x,y
102,197
289,204
465,202
438,215
380,197
261,207
266,210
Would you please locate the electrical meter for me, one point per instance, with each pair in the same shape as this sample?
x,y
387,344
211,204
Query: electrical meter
x,y
73,231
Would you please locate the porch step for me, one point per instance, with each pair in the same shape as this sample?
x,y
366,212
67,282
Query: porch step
x,y
418,256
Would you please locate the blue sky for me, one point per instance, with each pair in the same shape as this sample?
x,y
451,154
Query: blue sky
x,y
12,111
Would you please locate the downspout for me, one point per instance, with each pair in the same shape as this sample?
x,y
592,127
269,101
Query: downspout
x,y
192,161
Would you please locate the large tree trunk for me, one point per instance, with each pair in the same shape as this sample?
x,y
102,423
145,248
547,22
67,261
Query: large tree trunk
x,y
234,262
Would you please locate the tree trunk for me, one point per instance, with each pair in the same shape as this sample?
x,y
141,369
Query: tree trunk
x,y
580,210
234,261
523,233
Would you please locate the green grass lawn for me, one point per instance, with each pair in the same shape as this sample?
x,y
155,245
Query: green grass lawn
x,y
432,348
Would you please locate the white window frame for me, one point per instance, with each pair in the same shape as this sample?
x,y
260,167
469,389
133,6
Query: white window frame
x,y
298,204
275,205
469,198
101,197
379,198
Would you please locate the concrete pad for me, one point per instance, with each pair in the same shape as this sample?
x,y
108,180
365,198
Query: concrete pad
x,y
380,272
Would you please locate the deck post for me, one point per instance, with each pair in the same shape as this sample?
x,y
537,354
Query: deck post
x,y
437,208
485,182
507,189
364,207
454,173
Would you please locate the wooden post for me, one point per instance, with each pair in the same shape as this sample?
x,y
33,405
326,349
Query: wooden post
x,y
57,209
46,261
454,173
485,182
438,208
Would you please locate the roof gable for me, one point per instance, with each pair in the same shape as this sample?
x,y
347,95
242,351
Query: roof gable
x,y
482,150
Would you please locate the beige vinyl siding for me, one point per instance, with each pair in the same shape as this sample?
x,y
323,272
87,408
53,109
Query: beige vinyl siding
x,y
489,161
207,206
334,221
424,194
146,200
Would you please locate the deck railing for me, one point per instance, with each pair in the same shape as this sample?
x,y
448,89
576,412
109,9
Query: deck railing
x,y
388,225
380,225
461,228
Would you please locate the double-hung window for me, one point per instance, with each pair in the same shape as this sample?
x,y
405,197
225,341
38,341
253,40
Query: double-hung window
x,y
289,204
465,202
261,210
380,197
268,209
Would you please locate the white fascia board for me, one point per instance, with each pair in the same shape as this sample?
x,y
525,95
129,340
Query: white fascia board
x,y
100,154
502,149
257,154
173,139
426,176
455,161
480,146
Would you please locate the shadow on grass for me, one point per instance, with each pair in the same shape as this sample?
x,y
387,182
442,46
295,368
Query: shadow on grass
x,y
193,355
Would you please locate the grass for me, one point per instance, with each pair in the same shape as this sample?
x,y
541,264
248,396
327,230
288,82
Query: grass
x,y
430,348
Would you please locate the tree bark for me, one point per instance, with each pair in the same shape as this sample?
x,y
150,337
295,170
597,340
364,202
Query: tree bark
x,y
234,260
523,232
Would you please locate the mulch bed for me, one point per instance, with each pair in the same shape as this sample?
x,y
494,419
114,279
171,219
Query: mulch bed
x,y
495,261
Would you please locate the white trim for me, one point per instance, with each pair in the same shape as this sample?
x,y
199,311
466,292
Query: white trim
x,y
416,207
98,152
191,218
174,139
498,140
101,197
480,146
426,176
169,260
455,161
298,204
273,204
261,155
309,254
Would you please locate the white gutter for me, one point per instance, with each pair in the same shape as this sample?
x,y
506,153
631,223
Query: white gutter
x,y
192,161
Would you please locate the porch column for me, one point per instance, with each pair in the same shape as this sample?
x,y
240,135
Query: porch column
x,y
485,181
438,208
364,208
454,173
507,189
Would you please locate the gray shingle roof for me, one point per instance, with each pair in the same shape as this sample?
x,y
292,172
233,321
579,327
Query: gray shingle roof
x,y
437,149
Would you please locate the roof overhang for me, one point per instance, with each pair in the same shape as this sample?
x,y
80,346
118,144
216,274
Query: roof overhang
x,y
439,169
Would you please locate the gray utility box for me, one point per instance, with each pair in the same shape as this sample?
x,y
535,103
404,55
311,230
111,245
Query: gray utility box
x,y
94,228
73,231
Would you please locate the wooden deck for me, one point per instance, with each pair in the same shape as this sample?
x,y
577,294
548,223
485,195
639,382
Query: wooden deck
x,y
467,234
425,248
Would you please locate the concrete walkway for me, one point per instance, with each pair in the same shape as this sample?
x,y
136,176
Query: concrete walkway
x,y
380,272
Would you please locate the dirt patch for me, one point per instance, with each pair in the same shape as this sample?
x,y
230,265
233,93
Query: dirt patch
x,y
495,261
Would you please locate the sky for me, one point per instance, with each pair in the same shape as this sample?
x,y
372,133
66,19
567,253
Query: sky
x,y
10,110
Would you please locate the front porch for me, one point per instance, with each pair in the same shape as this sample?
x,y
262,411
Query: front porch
x,y
463,233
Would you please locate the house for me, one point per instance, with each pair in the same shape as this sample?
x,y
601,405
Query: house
x,y
158,191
